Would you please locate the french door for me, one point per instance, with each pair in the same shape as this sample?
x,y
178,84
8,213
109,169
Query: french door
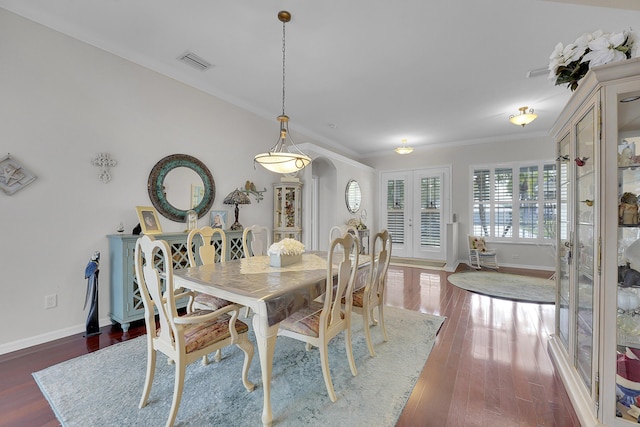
x,y
415,209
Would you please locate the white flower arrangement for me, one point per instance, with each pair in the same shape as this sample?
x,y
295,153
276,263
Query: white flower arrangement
x,y
568,64
286,246
357,223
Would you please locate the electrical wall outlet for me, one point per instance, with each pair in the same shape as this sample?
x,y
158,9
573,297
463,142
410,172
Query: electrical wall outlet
x,y
51,301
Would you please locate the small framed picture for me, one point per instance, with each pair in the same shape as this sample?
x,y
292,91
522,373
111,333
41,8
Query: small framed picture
x,y
149,220
219,219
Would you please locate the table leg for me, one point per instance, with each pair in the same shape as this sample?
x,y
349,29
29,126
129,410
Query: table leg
x,y
266,338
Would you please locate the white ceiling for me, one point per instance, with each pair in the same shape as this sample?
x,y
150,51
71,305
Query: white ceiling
x,y
360,74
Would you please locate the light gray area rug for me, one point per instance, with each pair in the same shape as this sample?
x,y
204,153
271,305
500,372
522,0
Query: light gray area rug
x,y
507,286
103,388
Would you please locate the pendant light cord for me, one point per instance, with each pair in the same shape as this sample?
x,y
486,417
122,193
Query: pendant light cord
x,y
283,64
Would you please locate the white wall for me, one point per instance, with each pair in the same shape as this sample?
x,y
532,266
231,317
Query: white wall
x,y
461,157
63,102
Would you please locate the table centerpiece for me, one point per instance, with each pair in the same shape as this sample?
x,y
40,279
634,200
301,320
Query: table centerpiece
x,y
285,252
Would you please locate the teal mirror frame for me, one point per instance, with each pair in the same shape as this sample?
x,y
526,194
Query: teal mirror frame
x,y
155,186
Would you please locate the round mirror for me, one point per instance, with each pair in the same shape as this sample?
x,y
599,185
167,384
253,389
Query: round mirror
x,y
353,196
178,183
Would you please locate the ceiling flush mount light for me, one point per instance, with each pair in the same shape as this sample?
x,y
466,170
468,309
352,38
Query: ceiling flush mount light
x,y
524,118
404,148
284,156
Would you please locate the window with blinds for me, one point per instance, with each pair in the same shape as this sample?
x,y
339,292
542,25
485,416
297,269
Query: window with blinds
x,y
524,192
396,210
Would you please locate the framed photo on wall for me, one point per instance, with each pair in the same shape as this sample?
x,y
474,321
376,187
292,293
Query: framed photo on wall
x,y
149,220
219,219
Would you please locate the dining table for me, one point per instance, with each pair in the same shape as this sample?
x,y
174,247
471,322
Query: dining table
x,y
272,293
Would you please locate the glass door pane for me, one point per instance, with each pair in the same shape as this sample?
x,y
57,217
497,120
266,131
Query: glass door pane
x,y
396,209
429,213
628,260
584,246
564,240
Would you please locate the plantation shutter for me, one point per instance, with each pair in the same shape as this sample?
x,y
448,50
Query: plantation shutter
x,y
503,195
481,202
430,211
396,210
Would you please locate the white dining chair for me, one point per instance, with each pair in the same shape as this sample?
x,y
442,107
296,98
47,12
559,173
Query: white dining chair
x,y
322,321
371,296
182,338
339,230
205,246
256,240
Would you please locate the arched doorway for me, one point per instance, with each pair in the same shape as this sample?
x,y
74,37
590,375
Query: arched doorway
x,y
323,202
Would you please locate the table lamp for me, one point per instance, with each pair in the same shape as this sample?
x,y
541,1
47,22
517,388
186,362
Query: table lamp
x,y
236,197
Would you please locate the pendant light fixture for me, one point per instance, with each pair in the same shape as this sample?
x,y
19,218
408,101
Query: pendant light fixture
x,y
524,118
284,156
404,148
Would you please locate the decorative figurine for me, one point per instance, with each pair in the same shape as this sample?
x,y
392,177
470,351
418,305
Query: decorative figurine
x,y
626,153
628,209
91,273
625,157
581,161
250,188
192,220
136,230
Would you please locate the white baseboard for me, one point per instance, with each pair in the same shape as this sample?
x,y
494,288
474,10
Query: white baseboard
x,y
450,268
46,337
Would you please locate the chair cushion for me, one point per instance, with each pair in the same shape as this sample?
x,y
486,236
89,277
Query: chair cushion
x,y
358,298
487,253
210,302
200,335
305,321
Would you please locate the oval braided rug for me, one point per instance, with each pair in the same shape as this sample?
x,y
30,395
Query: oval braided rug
x,y
507,286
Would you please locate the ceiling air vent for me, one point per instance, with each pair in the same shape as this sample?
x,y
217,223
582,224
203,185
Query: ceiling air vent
x,y
537,72
195,61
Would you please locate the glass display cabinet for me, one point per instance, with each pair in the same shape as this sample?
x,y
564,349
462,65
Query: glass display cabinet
x,y
598,246
287,211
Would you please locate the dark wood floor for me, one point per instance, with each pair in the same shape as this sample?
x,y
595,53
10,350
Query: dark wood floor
x,y
489,366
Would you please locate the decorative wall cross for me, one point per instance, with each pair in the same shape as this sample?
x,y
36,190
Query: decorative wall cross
x,y
104,162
